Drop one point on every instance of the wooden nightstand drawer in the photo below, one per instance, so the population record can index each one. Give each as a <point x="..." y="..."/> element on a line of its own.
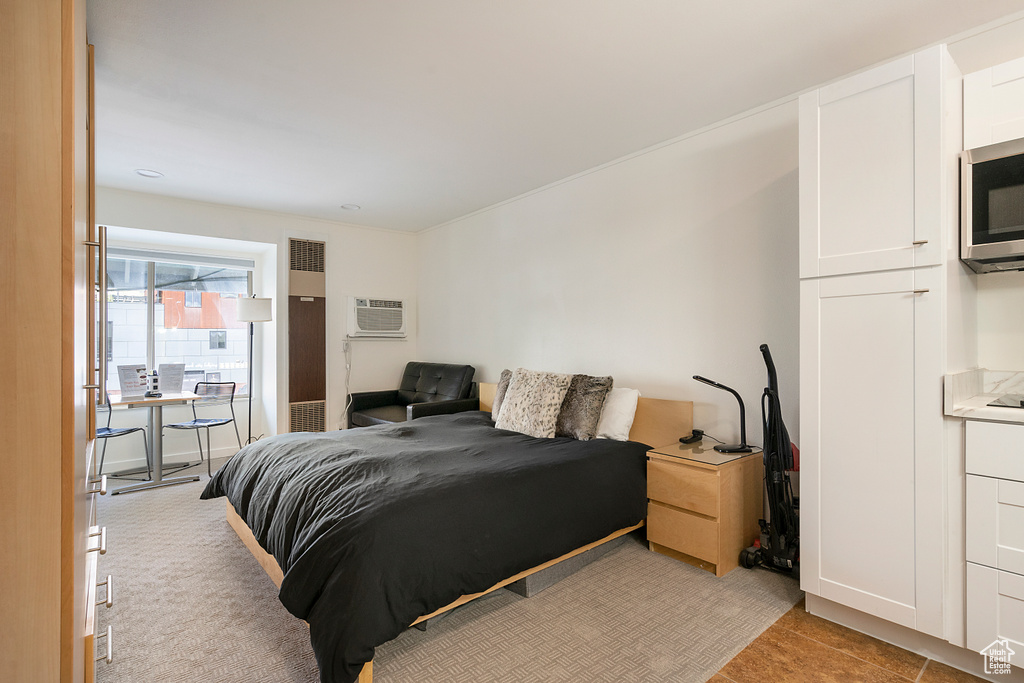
<point x="682" y="531"/>
<point x="703" y="505"/>
<point x="689" y="488"/>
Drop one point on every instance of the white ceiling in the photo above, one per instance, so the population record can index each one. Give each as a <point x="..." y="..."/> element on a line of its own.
<point x="422" y="111"/>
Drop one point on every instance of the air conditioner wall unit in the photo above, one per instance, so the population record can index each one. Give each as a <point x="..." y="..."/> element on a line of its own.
<point x="381" y="318"/>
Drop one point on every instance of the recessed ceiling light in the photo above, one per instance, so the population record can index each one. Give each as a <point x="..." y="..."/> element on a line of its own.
<point x="351" y="207"/>
<point x="147" y="173"/>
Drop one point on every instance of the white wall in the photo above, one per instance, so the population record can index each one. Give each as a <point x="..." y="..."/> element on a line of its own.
<point x="678" y="261"/>
<point x="1001" y="321"/>
<point x="359" y="261"/>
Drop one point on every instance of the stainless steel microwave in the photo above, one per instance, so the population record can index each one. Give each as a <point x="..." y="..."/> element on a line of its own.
<point x="992" y="207"/>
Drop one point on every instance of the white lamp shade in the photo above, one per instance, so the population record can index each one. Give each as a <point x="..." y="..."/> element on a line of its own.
<point x="254" y="310"/>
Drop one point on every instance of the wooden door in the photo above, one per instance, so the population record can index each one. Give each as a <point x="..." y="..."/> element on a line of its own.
<point x="872" y="523"/>
<point x="870" y="169"/>
<point x="45" y="409"/>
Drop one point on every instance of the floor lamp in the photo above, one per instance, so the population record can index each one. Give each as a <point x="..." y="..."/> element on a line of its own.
<point x="253" y="310"/>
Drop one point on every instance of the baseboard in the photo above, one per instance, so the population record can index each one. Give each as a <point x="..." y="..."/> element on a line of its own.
<point x="909" y="639"/>
<point x="126" y="464"/>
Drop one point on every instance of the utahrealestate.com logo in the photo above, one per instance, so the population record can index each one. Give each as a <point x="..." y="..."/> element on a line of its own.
<point x="997" y="657"/>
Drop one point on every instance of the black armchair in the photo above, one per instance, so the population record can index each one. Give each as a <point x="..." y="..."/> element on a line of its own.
<point x="426" y="389"/>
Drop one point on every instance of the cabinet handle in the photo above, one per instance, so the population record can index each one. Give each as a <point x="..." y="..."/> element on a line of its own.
<point x="920" y="291"/>
<point x="102" y="547"/>
<point x="918" y="243"/>
<point x="109" y="583"/>
<point x="109" y="635"/>
<point x="102" y="490"/>
<point x="90" y="386"/>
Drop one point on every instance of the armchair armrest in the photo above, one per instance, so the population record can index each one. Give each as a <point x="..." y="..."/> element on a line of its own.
<point x="363" y="400"/>
<point x="414" y="410"/>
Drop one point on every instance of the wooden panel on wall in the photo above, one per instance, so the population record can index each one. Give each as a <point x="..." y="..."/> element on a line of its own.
<point x="307" y="348"/>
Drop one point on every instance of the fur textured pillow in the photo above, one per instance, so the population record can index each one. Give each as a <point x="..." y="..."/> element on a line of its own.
<point x="499" y="393"/>
<point x="581" y="409"/>
<point x="532" y="402"/>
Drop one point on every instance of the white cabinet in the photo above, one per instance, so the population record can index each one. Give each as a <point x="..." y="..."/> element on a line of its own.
<point x="872" y="514"/>
<point x="995" y="523"/>
<point x="878" y="217"/>
<point x="995" y="607"/>
<point x="870" y="169"/>
<point x="994" y="105"/>
<point x="995" y="534"/>
<point x="995" y="449"/>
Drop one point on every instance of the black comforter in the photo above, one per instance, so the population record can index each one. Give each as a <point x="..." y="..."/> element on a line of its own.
<point x="376" y="527"/>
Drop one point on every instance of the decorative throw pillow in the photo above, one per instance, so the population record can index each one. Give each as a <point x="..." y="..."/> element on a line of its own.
<point x="532" y="402"/>
<point x="617" y="415"/>
<point x="499" y="393"/>
<point x="581" y="409"/>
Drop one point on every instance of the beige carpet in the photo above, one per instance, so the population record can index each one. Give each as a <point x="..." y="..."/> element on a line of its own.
<point x="191" y="604"/>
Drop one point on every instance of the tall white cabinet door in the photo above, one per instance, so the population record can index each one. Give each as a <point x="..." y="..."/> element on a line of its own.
<point x="870" y="169"/>
<point x="872" y="528"/>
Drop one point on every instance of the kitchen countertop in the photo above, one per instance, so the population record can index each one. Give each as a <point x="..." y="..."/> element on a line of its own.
<point x="967" y="394"/>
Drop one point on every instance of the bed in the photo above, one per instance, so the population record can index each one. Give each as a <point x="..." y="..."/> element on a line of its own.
<point x="369" y="531"/>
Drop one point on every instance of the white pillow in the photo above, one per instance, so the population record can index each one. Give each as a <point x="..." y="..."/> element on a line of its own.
<point x="617" y="414"/>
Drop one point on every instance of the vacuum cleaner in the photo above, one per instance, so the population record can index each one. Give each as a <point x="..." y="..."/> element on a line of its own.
<point x="778" y="548"/>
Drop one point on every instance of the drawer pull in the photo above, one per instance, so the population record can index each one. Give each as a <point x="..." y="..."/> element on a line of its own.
<point x="918" y="243"/>
<point x="102" y="490"/>
<point x="920" y="291"/>
<point x="109" y="635"/>
<point x="109" y="583"/>
<point x="102" y="547"/>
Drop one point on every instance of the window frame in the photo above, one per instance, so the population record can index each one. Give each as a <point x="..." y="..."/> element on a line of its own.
<point x="153" y="256"/>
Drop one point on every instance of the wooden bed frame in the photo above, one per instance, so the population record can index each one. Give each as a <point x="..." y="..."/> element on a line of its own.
<point x="657" y="422"/>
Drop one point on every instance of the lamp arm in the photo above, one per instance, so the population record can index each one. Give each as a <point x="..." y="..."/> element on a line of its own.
<point x="743" y="415"/>
<point x="743" y="409"/>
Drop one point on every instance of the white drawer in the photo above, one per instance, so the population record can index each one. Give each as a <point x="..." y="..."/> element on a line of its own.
<point x="995" y="523"/>
<point x="995" y="449"/>
<point x="995" y="607"/>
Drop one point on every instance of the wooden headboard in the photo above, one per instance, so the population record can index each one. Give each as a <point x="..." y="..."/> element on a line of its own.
<point x="658" y="422"/>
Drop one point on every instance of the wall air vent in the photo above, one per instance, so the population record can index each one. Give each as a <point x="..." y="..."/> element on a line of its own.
<point x="306" y="256"/>
<point x="307" y="335"/>
<point x="307" y="416"/>
<point x="376" y="317"/>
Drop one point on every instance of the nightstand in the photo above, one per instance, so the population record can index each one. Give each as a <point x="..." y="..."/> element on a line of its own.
<point x="703" y="506"/>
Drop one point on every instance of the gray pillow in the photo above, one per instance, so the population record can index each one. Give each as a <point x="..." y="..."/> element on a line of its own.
<point x="581" y="409"/>
<point x="499" y="393"/>
<point x="532" y="402"/>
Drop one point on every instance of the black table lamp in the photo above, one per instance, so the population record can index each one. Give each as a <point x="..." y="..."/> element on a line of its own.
<point x="742" y="446"/>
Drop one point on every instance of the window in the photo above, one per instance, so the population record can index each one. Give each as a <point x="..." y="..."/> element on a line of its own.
<point x="218" y="340"/>
<point x="177" y="308"/>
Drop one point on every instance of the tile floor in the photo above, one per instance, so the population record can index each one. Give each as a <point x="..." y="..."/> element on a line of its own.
<point x="802" y="647"/>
